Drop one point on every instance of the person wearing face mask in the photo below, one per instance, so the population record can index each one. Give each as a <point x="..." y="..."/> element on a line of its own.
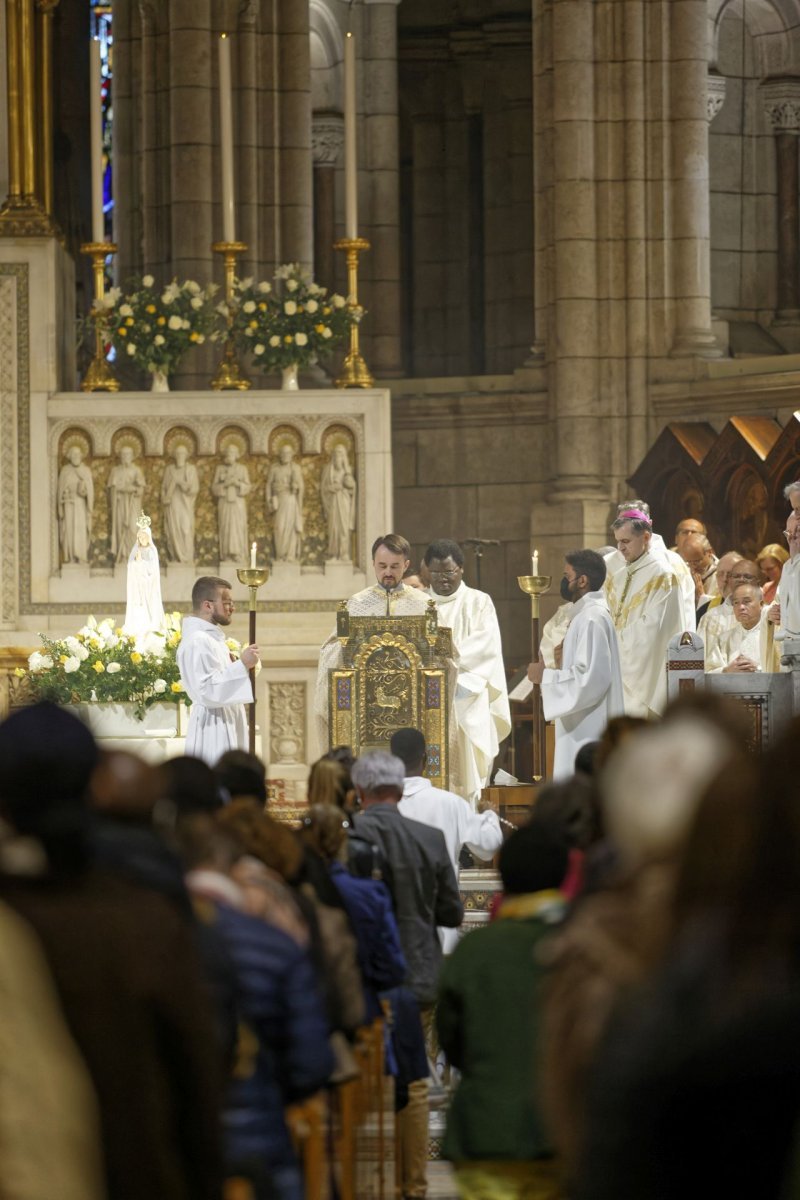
<point x="586" y="692"/>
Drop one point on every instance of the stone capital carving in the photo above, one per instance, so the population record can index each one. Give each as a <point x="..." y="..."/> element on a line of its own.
<point x="715" y="95"/>
<point x="781" y="99"/>
<point x="327" y="138"/>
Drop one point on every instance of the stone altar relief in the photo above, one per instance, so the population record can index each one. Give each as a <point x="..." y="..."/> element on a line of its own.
<point x="180" y="485"/>
<point x="125" y="486"/>
<point x="285" y="494"/>
<point x="75" y="500"/>
<point x="230" y="487"/>
<point x="338" y="490"/>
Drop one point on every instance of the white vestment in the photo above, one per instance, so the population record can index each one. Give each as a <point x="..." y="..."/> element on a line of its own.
<point x="586" y="692"/>
<point x="754" y="643"/>
<point x="674" y="563"/>
<point x="716" y="621"/>
<point x="482" y="712"/>
<point x="554" y="632"/>
<point x="375" y="601"/>
<point x="144" y="611"/>
<point x="647" y="610"/>
<point x="789" y="599"/>
<point x="218" y="689"/>
<point x="479" y="832"/>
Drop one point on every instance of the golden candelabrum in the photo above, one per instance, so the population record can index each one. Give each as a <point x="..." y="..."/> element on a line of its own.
<point x="229" y="376"/>
<point x="253" y="578"/>
<point x="99" y="376"/>
<point x="535" y="586"/>
<point x="355" y="372"/>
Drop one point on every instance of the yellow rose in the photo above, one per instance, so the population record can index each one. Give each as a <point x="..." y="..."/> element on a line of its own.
<point x="98" y="666"/>
<point x="318" y="328"/>
<point x="63" y="658"/>
<point x="326" y="310"/>
<point x="118" y="631"/>
<point x="173" y="639"/>
<point x="151" y="308"/>
<point x="161" y="320"/>
<point x="252" y="324"/>
<point x="122" y="331"/>
<point x="288" y="339"/>
<point x="176" y="687"/>
<point x="136" y="657"/>
<point x="262" y="307"/>
<point x="129" y="322"/>
<point x="20" y="674"/>
<point x="95" y="643"/>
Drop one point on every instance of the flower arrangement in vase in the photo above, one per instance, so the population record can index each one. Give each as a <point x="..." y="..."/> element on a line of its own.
<point x="288" y="323"/>
<point x="154" y="327"/>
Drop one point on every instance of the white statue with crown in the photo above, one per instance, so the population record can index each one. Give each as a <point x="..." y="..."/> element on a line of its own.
<point x="144" y="612"/>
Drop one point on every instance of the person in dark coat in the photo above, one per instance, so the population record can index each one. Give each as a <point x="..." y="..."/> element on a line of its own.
<point x="125" y="970"/>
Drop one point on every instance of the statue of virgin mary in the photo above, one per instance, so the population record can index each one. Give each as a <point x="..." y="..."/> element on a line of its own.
<point x="144" y="612"/>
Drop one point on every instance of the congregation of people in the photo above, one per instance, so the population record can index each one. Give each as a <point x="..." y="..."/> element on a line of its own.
<point x="178" y="968"/>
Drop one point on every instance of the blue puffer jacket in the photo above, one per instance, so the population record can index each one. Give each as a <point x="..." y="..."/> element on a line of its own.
<point x="380" y="955"/>
<point x="283" y="1047"/>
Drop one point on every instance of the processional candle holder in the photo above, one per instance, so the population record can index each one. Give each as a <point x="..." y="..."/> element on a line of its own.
<point x="229" y="376"/>
<point x="99" y="377"/>
<point x="253" y="578"/>
<point x="536" y="586"/>
<point x="355" y="372"/>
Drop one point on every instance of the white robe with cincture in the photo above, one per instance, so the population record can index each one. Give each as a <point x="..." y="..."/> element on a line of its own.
<point x="647" y="610"/>
<point x="481" y="709"/>
<point x="586" y="692"/>
<point x="218" y="689"/>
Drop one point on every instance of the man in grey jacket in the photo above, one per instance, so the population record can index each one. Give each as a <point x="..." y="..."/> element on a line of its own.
<point x="420" y="877"/>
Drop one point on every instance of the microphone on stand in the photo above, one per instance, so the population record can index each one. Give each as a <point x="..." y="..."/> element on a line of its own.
<point x="478" y="545"/>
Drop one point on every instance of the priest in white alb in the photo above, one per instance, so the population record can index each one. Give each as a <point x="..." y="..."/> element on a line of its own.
<point x="218" y="685"/>
<point x="481" y="709"/>
<point x="749" y="644"/>
<point x="585" y="692"/>
<point x="387" y="597"/>
<point x="644" y="596"/>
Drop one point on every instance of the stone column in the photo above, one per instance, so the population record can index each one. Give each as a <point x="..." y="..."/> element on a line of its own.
<point x="294" y="100"/>
<point x="382" y="158"/>
<point x="327" y="138"/>
<point x="691" y="234"/>
<point x="782" y="104"/>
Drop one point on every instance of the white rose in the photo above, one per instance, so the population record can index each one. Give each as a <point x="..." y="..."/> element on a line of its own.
<point x="327" y="332"/>
<point x="292" y="285"/>
<point x="290" y="308"/>
<point x="274" y="340"/>
<point x="39" y="662"/>
<point x="160" y="686"/>
<point x="113" y="667"/>
<point x="314" y="289"/>
<point x="197" y="302"/>
<point x="131" y="348"/>
<point x="147" y="281"/>
<point x="301" y="339"/>
<point x="201" y="337"/>
<point x="72" y="644"/>
<point x="174" y="322"/>
<point x="72" y="664"/>
<point x="125" y="310"/>
<point x="259" y="349"/>
<point x="186" y="324"/>
<point x="265" y="288"/>
<point x="338" y="301"/>
<point x="193" y="287"/>
<point x="311" y="306"/>
<point x="246" y="284"/>
<point x="159" y="339"/>
<point x="249" y="306"/>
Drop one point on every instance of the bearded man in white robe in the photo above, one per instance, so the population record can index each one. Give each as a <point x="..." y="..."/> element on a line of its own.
<point x="218" y="687"/>
<point x="388" y="597"/>
<point x="644" y="596"/>
<point x="481" y="709"/>
<point x="586" y="691"/>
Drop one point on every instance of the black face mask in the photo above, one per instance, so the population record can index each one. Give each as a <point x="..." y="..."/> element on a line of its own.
<point x="566" y="593"/>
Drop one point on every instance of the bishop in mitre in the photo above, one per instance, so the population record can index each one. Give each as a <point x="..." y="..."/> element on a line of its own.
<point x="388" y="597"/>
<point x="644" y="596"/>
<point x="480" y="705"/>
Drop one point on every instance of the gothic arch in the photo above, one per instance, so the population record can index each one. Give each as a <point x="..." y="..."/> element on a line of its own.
<point x="768" y="23"/>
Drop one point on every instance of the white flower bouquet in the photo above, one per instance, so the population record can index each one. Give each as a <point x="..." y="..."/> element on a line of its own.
<point x="153" y="327"/>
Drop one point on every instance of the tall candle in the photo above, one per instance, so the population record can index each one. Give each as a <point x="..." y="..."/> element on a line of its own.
<point x="253" y="556"/>
<point x="350" y="157"/>
<point x="96" y="139"/>
<point x="535" y="562"/>
<point x="226" y="139"/>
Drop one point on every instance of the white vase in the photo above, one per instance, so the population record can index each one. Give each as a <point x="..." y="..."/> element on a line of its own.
<point x="107" y="720"/>
<point x="289" y="378"/>
<point x="160" y="381"/>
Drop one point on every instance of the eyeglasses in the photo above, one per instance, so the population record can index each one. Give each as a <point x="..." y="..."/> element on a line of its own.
<point x="790" y="533"/>
<point x="444" y="574"/>
<point x="744" y="578"/>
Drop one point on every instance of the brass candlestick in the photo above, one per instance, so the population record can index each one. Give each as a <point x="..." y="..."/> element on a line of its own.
<point x="355" y="372"/>
<point x="253" y="578"/>
<point x="229" y="376"/>
<point x="535" y="586"/>
<point x="99" y="377"/>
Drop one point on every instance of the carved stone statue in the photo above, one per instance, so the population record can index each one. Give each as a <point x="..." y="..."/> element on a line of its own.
<point x="230" y="486"/>
<point x="285" y="490"/>
<point x="338" y="489"/>
<point x="179" y="490"/>
<point x="75" y="507"/>
<point x="125" y="489"/>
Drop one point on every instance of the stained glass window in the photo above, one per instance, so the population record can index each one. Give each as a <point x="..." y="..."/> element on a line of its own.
<point x="100" y="17"/>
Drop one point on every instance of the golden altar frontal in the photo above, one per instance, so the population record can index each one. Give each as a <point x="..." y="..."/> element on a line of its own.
<point x="396" y="672"/>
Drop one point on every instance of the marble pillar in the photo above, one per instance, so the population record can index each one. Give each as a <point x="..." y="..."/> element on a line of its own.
<point x="294" y="99"/>
<point x="691" y="233"/>
<point x="782" y="103"/>
<point x="380" y="141"/>
<point x="327" y="138"/>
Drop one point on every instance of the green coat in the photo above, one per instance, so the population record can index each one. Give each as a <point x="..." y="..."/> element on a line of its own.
<point x="488" y="1018"/>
